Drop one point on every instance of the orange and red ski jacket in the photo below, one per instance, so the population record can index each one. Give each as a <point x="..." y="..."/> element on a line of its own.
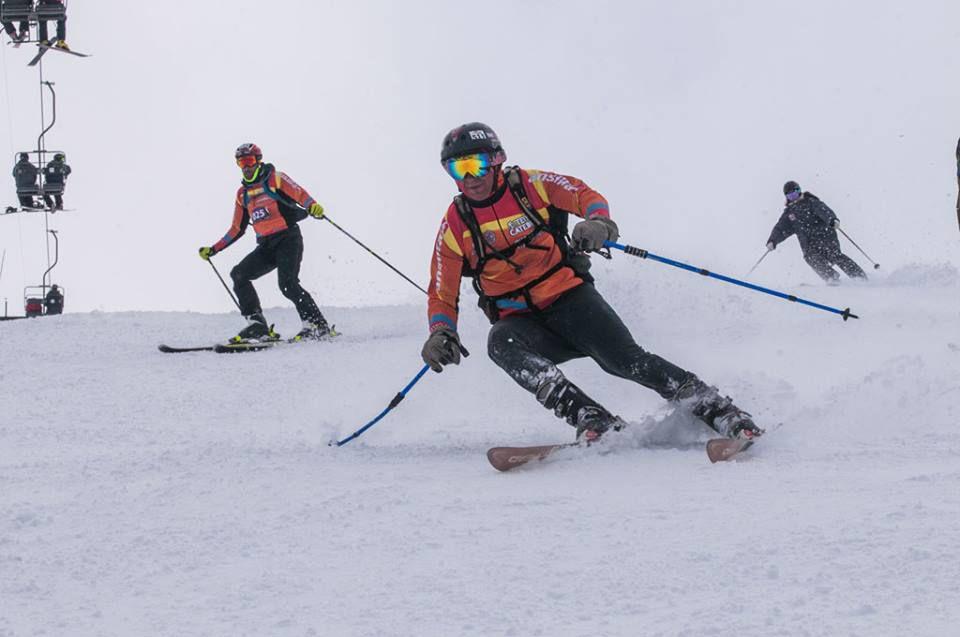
<point x="267" y="203"/>
<point x="503" y="223"/>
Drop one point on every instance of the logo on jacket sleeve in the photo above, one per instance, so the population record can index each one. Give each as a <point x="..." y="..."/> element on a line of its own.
<point x="553" y="178"/>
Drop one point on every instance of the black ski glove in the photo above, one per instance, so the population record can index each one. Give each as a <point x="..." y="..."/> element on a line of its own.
<point x="589" y="235"/>
<point x="442" y="348"/>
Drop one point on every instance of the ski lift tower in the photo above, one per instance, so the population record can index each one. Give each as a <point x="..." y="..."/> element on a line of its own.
<point x="36" y="16"/>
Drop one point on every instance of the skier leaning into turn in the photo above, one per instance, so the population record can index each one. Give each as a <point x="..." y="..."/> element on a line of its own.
<point x="815" y="225"/>
<point x="508" y="230"/>
<point x="274" y="204"/>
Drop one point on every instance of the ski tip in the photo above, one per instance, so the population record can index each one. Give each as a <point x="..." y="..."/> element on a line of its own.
<point x="493" y="457"/>
<point x="507" y="458"/>
<point x="724" y="449"/>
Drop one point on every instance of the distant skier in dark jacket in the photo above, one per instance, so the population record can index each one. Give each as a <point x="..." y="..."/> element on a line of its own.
<point x="53" y="301"/>
<point x="815" y="225"/>
<point x="55" y="176"/>
<point x="25" y="174"/>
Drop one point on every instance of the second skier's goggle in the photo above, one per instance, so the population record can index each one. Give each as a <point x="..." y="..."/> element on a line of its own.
<point x="793" y="195"/>
<point x="247" y="161"/>
<point x="477" y="165"/>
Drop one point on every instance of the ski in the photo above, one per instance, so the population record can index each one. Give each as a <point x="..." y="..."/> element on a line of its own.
<point x="50" y="47"/>
<point x="9" y="210"/>
<point x="239" y="348"/>
<point x="507" y="458"/>
<point x="36" y="58"/>
<point x="724" y="449"/>
<point x="166" y="349"/>
<point x="71" y="52"/>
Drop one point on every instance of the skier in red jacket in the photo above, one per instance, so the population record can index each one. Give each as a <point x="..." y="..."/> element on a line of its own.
<point x="274" y="204"/>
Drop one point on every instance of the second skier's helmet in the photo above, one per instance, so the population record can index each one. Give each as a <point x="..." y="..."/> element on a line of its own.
<point x="24" y="157"/>
<point x="790" y="186"/>
<point x="471" y="138"/>
<point x="248" y="150"/>
<point x="59" y="157"/>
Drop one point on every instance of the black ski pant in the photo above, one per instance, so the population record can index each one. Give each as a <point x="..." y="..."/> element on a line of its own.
<point x="283" y="252"/>
<point x="824" y="255"/>
<point x="578" y="324"/>
<point x="61" y="29"/>
<point x="12" y="32"/>
<point x="54" y="202"/>
<point x="27" y="201"/>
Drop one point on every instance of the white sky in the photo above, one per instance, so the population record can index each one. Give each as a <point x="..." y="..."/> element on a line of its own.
<point x="688" y="116"/>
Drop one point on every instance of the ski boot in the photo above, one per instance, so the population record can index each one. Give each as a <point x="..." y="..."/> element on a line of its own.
<point x="718" y="412"/>
<point x="569" y="402"/>
<point x="315" y="332"/>
<point x="256" y="331"/>
<point x="61" y="44"/>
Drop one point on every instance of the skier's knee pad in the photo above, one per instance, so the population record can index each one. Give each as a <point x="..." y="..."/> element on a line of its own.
<point x="500" y="340"/>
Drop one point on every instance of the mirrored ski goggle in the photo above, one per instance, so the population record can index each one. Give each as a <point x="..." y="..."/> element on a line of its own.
<point x="477" y="165"/>
<point x="247" y="161"/>
<point x="793" y="195"/>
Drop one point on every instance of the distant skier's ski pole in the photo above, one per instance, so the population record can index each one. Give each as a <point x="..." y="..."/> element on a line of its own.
<point x="224" y="283"/>
<point x="758" y="262"/>
<point x="382" y="260"/>
<point x="393" y="403"/>
<point x="876" y="266"/>
<point x="643" y="254"/>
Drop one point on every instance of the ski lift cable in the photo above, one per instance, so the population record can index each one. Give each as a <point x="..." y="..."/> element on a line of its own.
<point x="6" y="87"/>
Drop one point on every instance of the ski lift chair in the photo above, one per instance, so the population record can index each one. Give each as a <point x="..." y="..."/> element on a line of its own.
<point x="33" y="191"/>
<point x="33" y="300"/>
<point x="51" y="11"/>
<point x="48" y="13"/>
<point x="20" y="12"/>
<point x="34" y="297"/>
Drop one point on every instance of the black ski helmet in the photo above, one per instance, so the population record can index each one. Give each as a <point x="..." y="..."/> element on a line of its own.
<point x="790" y="186"/>
<point x="24" y="157"/>
<point x="474" y="137"/>
<point x="59" y="157"/>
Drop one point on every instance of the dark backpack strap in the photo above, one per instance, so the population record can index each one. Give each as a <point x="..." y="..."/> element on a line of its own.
<point x="466" y="214"/>
<point x="512" y="175"/>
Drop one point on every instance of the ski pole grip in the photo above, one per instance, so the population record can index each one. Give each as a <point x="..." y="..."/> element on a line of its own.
<point x="632" y="251"/>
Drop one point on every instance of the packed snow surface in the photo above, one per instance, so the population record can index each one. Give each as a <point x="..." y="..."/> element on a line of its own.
<point x="151" y="494"/>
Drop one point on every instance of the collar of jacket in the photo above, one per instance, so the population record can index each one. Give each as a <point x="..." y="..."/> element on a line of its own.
<point x="266" y="170"/>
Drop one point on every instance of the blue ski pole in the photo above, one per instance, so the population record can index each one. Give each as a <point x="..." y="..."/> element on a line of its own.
<point x="393" y="403"/>
<point x="643" y="254"/>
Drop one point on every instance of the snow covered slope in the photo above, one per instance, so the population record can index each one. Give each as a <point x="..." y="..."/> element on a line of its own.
<point x="195" y="494"/>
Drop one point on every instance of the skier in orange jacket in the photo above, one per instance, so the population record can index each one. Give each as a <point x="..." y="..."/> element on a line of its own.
<point x="508" y="230"/>
<point x="274" y="204"/>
